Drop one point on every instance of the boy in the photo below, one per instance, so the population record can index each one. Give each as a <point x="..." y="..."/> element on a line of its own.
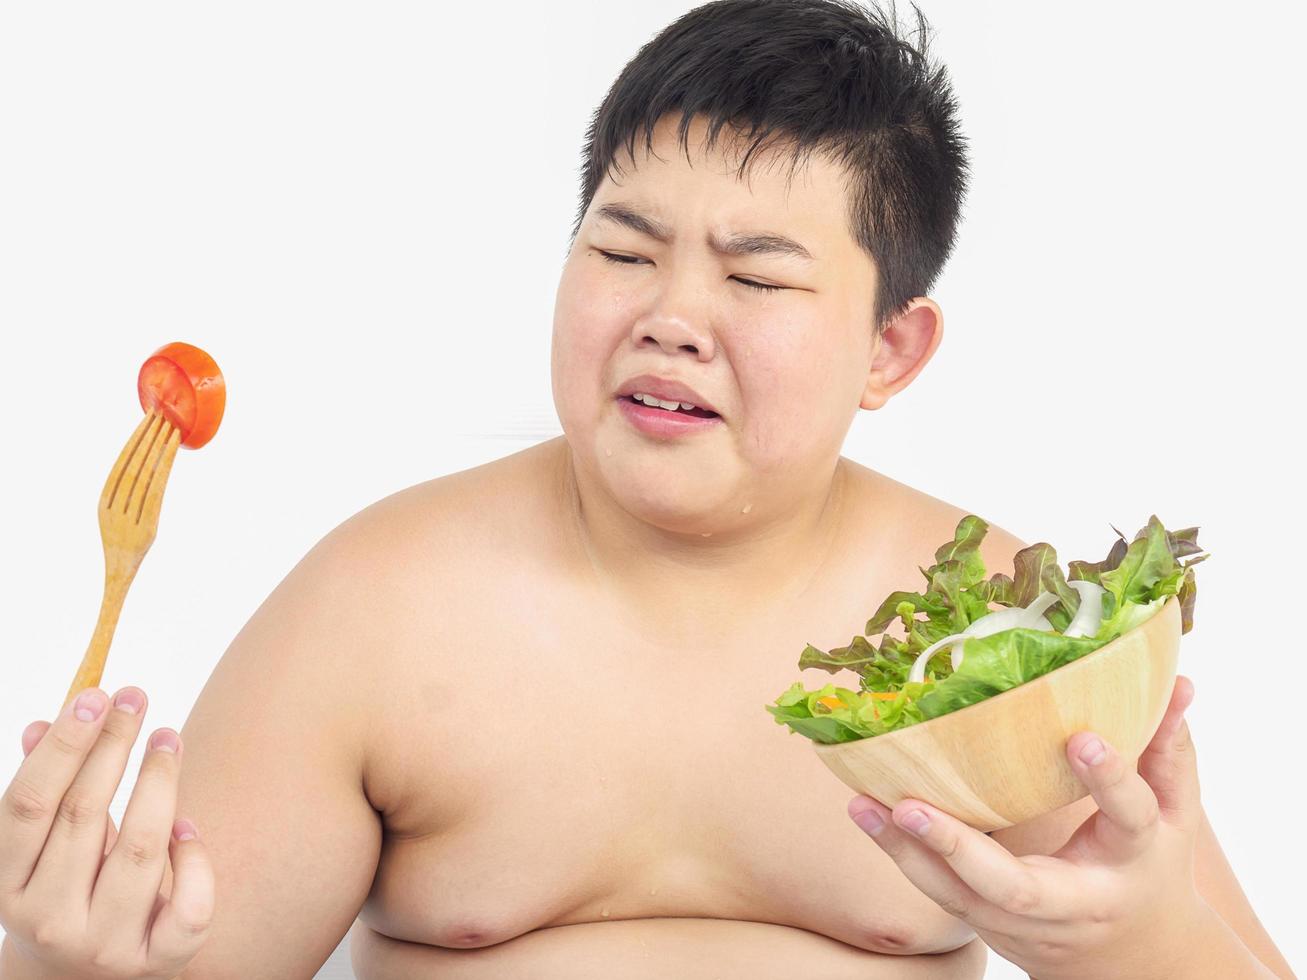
<point x="460" y="723"/>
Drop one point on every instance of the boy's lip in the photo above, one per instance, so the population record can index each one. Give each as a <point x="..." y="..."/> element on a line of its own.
<point x="665" y="388"/>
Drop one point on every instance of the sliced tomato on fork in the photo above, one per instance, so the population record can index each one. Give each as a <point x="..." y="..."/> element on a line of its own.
<point x="184" y="383"/>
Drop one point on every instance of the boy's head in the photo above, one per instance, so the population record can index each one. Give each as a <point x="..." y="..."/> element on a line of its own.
<point x="808" y="119"/>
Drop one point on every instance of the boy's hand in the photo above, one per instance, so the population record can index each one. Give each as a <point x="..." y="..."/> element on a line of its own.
<point x="77" y="898"/>
<point x="1117" y="900"/>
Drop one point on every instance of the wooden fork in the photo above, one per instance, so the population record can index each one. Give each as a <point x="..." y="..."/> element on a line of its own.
<point x="129" y="517"/>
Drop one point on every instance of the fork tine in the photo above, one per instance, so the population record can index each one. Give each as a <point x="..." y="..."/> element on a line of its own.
<point x="155" y="442"/>
<point x="120" y="465"/>
<point x="132" y="473"/>
<point x="152" y="498"/>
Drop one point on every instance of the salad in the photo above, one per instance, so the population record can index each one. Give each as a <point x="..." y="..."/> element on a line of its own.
<point x="956" y="650"/>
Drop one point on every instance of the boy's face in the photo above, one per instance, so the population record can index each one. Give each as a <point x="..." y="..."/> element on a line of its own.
<point x="786" y="370"/>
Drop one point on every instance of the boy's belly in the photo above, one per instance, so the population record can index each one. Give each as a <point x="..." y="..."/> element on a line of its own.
<point x="569" y="785"/>
<point x="656" y="949"/>
<point x="524" y="809"/>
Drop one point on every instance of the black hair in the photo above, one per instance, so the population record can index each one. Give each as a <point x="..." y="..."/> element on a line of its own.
<point x="831" y="76"/>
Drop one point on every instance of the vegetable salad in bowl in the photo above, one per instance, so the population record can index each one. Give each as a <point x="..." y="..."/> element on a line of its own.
<point x="955" y="650"/>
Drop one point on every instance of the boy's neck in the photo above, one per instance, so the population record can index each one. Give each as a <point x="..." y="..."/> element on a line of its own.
<point x="741" y="568"/>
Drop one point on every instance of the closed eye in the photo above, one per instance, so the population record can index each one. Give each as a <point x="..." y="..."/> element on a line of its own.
<point x="630" y="260"/>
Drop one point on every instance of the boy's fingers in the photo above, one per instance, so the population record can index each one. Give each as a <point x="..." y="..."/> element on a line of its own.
<point x="31" y="801"/>
<point x="33" y="734"/>
<point x="992" y="871"/>
<point x="1127" y="808"/>
<point x="110" y="835"/>
<point x="1169" y="763"/>
<point x="182" y="924"/>
<point x="77" y="841"/>
<point x="133" y="870"/>
<point x="926" y="869"/>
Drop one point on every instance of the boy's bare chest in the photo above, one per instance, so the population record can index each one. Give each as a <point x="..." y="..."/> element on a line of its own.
<point x="548" y="760"/>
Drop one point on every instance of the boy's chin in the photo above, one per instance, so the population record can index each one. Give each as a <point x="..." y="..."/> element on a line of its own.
<point x="687" y="513"/>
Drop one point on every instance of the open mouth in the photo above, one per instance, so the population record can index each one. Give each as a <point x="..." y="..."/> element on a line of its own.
<point x="701" y="413"/>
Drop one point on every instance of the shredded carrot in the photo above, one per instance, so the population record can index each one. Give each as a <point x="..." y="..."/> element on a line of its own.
<point x="833" y="702"/>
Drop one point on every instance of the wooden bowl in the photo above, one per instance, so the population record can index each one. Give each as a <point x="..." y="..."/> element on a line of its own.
<point x="1002" y="761"/>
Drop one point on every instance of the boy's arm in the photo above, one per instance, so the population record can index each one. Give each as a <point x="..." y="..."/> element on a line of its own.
<point x="272" y="775"/>
<point x="1221" y="890"/>
<point x="1215" y="879"/>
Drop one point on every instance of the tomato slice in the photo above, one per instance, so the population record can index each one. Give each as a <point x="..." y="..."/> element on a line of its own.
<point x="184" y="383"/>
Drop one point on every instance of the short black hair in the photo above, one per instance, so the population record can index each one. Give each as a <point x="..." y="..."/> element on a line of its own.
<point x="832" y="76"/>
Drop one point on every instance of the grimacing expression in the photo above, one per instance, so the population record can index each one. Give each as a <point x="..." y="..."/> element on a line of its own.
<point x="784" y="367"/>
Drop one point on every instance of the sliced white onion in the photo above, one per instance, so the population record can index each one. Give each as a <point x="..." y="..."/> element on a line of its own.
<point x="1035" y="611"/>
<point x="1089" y="617"/>
<point x="918" y="671"/>
<point x="1030" y="616"/>
<point x="996" y="622"/>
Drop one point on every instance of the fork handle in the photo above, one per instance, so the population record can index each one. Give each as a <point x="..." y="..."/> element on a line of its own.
<point x="119" y="570"/>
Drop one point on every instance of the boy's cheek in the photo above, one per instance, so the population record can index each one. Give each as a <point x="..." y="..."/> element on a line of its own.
<point x="580" y="365"/>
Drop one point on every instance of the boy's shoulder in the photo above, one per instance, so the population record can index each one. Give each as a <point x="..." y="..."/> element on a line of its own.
<point x="921" y="522"/>
<point x="504" y="511"/>
<point x="456" y="521"/>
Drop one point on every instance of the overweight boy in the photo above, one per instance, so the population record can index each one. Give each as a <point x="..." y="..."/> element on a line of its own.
<point x="474" y="727"/>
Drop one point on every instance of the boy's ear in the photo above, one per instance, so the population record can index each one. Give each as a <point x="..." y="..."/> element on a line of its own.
<point x="907" y="343"/>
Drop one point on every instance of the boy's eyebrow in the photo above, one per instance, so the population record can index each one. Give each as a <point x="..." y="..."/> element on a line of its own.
<point x="749" y="243"/>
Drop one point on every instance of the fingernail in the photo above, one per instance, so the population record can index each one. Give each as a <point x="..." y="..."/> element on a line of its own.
<point x="868" y="819"/>
<point x="129" y="701"/>
<point x="1093" y="752"/>
<point x="90" y="705"/>
<point x="916" y="821"/>
<point x="164" y="741"/>
<point x="184" y="830"/>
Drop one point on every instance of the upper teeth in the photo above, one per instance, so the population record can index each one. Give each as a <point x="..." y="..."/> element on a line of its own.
<point x="651" y="400"/>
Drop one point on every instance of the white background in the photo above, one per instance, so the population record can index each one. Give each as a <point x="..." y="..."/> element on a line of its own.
<point x="361" y="211"/>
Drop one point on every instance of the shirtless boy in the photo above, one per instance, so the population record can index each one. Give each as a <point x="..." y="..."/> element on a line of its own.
<point x="460" y="726"/>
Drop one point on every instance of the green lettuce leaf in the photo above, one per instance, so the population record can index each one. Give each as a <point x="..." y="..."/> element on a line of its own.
<point x="1137" y="577"/>
<point x="996" y="663"/>
<point x="855" y="716"/>
<point x="1037" y="571"/>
